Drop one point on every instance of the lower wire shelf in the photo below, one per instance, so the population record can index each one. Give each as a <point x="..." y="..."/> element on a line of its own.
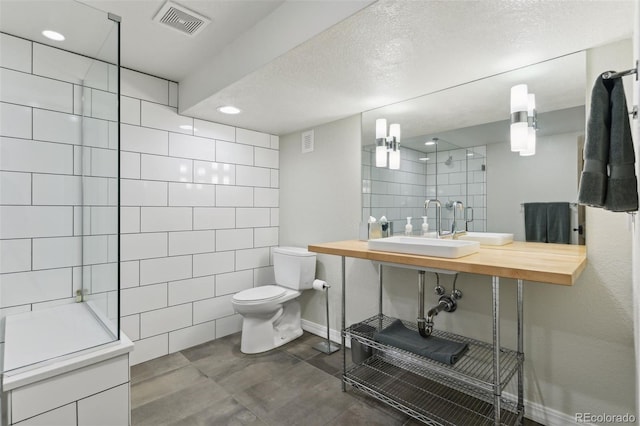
<point x="431" y="402"/>
<point x="473" y="370"/>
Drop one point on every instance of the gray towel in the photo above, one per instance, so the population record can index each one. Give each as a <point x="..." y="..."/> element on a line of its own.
<point x="432" y="347"/>
<point x="593" y="181"/>
<point x="535" y="222"/>
<point x="559" y="223"/>
<point x="622" y="193"/>
<point x="547" y="222"/>
<point x="608" y="179"/>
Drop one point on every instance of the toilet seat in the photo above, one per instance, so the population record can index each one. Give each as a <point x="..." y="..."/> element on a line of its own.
<point x="259" y="294"/>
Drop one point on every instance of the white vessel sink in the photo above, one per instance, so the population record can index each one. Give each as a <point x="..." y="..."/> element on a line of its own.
<point x="425" y="246"/>
<point x="488" y="238"/>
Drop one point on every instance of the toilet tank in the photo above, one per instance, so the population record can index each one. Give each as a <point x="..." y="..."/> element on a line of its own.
<point x="294" y="267"/>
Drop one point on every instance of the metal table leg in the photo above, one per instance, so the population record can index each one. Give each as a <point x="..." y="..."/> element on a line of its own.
<point x="380" y="296"/>
<point x="344" y="325"/>
<point x="495" y="284"/>
<point x="520" y="297"/>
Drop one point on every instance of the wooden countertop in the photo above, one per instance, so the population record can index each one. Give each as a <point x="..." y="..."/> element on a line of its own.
<point x="547" y="263"/>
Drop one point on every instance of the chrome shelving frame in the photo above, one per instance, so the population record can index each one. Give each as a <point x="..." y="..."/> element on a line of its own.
<point x="468" y="392"/>
<point x="474" y="368"/>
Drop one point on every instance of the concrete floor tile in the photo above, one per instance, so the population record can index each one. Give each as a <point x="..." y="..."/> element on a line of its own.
<point x="227" y="412"/>
<point x="165" y="384"/>
<point x="179" y="405"/>
<point x="157" y="366"/>
<point x="216" y="384"/>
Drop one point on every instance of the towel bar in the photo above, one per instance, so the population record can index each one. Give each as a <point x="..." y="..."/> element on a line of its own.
<point x="612" y="74"/>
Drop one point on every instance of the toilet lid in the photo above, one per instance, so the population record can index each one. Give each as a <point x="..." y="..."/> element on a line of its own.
<point x="263" y="293"/>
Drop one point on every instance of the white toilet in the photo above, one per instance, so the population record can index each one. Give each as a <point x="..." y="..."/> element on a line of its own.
<point x="271" y="313"/>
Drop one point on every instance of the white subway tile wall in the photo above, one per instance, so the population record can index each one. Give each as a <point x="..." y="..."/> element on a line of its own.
<point x="196" y="231"/>
<point x="199" y="200"/>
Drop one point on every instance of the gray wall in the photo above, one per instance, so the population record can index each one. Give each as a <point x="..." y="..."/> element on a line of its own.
<point x="320" y="201"/>
<point x="578" y="340"/>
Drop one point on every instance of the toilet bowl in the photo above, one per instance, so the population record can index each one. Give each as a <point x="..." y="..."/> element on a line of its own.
<point x="271" y="313"/>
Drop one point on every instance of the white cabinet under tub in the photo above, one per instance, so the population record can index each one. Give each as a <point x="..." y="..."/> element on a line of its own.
<point x="88" y="387"/>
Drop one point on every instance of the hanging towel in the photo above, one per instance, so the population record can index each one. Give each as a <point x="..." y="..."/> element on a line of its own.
<point x="608" y="179"/>
<point x="547" y="222"/>
<point x="593" y="180"/>
<point x="535" y="222"/>
<point x="622" y="192"/>
<point x="559" y="223"/>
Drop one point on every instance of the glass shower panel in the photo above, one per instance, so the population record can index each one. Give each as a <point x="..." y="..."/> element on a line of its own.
<point x="59" y="283"/>
<point x="100" y="171"/>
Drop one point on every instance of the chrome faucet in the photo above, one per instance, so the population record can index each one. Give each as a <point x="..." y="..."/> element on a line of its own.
<point x="438" y="214"/>
<point x="454" y="231"/>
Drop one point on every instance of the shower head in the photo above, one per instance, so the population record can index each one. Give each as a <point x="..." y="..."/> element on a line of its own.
<point x="449" y="161"/>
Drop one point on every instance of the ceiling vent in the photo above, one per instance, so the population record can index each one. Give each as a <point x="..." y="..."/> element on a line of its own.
<point x="181" y="19"/>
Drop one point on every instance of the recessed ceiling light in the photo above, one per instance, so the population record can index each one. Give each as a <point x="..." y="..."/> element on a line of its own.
<point x="228" y="109"/>
<point x="469" y="154"/>
<point x="423" y="158"/>
<point x="53" y="35"/>
<point x="430" y="143"/>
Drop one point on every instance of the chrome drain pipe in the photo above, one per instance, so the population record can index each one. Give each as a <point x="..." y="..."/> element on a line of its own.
<point x="422" y="322"/>
<point x="445" y="303"/>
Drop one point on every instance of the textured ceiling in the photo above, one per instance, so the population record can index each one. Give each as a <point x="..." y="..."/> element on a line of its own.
<point x="395" y="50"/>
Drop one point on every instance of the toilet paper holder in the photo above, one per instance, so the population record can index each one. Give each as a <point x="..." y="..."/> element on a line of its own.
<point x="327" y="346"/>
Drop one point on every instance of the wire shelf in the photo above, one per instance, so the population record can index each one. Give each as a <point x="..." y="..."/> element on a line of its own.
<point x="429" y="401"/>
<point x="473" y="369"/>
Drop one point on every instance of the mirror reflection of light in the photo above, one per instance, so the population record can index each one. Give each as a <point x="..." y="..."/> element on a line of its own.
<point x="201" y="171"/>
<point x="183" y="168"/>
<point x="225" y="180"/>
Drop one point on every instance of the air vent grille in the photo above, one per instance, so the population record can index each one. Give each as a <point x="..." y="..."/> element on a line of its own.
<point x="181" y="19"/>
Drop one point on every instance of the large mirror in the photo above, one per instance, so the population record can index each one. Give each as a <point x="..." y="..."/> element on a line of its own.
<point x="471" y="161"/>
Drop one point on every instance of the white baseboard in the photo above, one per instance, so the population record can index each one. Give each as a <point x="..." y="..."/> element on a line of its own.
<point x="548" y="416"/>
<point x="321" y="330"/>
<point x="534" y="411"/>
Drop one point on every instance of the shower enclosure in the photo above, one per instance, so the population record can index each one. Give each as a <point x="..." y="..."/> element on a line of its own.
<point x="59" y="182"/>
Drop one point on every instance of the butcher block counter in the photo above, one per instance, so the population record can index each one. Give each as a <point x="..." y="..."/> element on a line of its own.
<point x="559" y="264"/>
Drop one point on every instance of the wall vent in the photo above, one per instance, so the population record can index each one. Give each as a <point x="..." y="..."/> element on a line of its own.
<point x="181" y="19"/>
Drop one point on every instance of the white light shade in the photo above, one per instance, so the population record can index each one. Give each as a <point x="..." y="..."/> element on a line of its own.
<point x="531" y="104"/>
<point x="530" y="149"/>
<point x="519" y="98"/>
<point x="394" y="159"/>
<point x="519" y="135"/>
<point x="381" y="156"/>
<point x="381" y="128"/>
<point x="394" y="131"/>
